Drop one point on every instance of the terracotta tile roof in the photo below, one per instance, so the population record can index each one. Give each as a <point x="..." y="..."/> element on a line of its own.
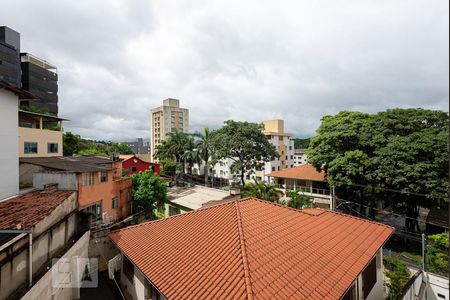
<point x="25" y="211"/>
<point x="252" y="249"/>
<point x="306" y="172"/>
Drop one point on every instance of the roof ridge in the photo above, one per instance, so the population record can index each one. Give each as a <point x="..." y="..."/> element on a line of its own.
<point x="248" y="283"/>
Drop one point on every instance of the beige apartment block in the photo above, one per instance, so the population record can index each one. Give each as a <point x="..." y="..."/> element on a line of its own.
<point x="283" y="142"/>
<point x="166" y="119"/>
<point x="40" y="135"/>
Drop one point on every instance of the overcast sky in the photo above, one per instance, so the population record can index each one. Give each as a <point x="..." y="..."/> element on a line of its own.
<point x="242" y="60"/>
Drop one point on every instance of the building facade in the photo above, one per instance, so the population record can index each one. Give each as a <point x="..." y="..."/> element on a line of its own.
<point x="9" y="56"/>
<point x="166" y="119"/>
<point x="300" y="157"/>
<point x="41" y="79"/>
<point x="284" y="144"/>
<point x="40" y="135"/>
<point x="133" y="164"/>
<point x="139" y="146"/>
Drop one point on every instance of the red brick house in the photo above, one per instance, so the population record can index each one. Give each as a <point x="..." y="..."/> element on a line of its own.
<point x="134" y="164"/>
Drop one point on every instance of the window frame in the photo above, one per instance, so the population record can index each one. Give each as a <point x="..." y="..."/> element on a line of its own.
<point x="56" y="145"/>
<point x="26" y="149"/>
<point x="102" y="177"/>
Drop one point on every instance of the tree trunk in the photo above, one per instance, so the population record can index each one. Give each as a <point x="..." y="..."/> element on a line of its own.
<point x="206" y="174"/>
<point x="242" y="176"/>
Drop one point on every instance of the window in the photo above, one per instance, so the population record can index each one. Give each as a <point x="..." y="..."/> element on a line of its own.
<point x="128" y="269"/>
<point x="103" y="176"/>
<point x="273" y="169"/>
<point x="115" y="202"/>
<point x="94" y="210"/>
<point x="369" y="277"/>
<point x="30" y="148"/>
<point x="290" y="147"/>
<point x="174" y="211"/>
<point x="133" y="169"/>
<point x="88" y="178"/>
<point x="52" y="147"/>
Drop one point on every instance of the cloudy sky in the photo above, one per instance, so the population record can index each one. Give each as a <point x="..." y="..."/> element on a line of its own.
<point x="233" y="59"/>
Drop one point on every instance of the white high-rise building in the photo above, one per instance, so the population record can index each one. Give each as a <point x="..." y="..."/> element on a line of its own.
<point x="300" y="157"/>
<point x="165" y="119"/>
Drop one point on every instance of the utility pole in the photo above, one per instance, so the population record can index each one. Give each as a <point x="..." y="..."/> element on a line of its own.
<point x="423" y="252"/>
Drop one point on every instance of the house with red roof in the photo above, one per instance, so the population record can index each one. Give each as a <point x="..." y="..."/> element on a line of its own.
<point x="306" y="178"/>
<point x="37" y="228"/>
<point x="253" y="249"/>
<point x="133" y="164"/>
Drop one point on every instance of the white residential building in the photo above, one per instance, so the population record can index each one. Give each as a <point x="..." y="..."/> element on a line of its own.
<point x="300" y="157"/>
<point x="165" y="119"/>
<point x="9" y="137"/>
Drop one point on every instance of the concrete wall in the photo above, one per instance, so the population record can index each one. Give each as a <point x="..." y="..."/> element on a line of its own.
<point x="49" y="236"/>
<point x="9" y="155"/>
<point x="42" y="137"/>
<point x="26" y="172"/>
<point x="44" y="289"/>
<point x="65" y="181"/>
<point x="438" y="287"/>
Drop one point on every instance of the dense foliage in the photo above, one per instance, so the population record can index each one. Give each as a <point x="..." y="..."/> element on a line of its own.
<point x="206" y="150"/>
<point x="261" y="190"/>
<point x="301" y="143"/>
<point x="437" y="254"/>
<point x="149" y="190"/>
<point x="399" y="149"/>
<point x="398" y="275"/>
<point x="75" y="145"/>
<point x="245" y="144"/>
<point x="298" y="199"/>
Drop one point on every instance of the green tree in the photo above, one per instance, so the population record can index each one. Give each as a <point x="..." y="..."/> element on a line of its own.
<point x="119" y="148"/>
<point x="206" y="150"/>
<point x="190" y="154"/>
<point x="261" y="190"/>
<point x="245" y="144"/>
<point x="398" y="275"/>
<point x="437" y="254"/>
<point x="301" y="143"/>
<point x="149" y="191"/>
<point x="298" y="199"/>
<point x="175" y="147"/>
<point x="70" y="143"/>
<point x="399" y="149"/>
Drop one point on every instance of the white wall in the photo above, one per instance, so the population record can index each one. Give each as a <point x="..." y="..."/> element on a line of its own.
<point x="9" y="139"/>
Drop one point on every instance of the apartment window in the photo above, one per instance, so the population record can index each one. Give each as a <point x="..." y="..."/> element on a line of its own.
<point x="103" y="176"/>
<point x="273" y="169"/>
<point x="128" y="269"/>
<point x="30" y="148"/>
<point x="88" y="178"/>
<point x="369" y="277"/>
<point x="52" y="148"/>
<point x="174" y="211"/>
<point x="292" y="156"/>
<point x="115" y="202"/>
<point x="290" y="147"/>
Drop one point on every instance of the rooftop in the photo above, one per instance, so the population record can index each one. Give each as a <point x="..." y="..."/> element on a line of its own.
<point x="25" y="211"/>
<point x="22" y="94"/>
<point x="195" y="197"/>
<point x="252" y="249"/>
<point x="303" y="172"/>
<point x="78" y="164"/>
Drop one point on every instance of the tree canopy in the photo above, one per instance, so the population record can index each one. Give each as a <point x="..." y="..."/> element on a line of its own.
<point x="245" y="144"/>
<point x="74" y="144"/>
<point x="398" y="149"/>
<point x="149" y="190"/>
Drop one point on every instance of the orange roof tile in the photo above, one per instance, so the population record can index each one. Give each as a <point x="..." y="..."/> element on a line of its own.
<point x="25" y="211"/>
<point x="252" y="249"/>
<point x="305" y="172"/>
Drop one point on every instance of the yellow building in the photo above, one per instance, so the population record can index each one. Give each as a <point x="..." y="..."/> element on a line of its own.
<point x="40" y="135"/>
<point x="165" y="119"/>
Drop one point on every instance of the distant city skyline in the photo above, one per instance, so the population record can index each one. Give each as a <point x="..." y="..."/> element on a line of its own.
<point x="295" y="61"/>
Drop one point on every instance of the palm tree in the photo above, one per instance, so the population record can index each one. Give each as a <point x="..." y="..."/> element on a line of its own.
<point x="174" y="148"/>
<point x="205" y="149"/>
<point x="190" y="155"/>
<point x="261" y="190"/>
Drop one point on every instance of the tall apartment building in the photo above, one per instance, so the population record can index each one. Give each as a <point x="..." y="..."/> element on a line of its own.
<point x="165" y="119"/>
<point x="300" y="157"/>
<point x="28" y="72"/>
<point x="41" y="79"/>
<point x="283" y="142"/>
<point x="9" y="56"/>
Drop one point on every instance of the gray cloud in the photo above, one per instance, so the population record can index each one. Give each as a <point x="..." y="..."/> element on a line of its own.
<point x="252" y="60"/>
